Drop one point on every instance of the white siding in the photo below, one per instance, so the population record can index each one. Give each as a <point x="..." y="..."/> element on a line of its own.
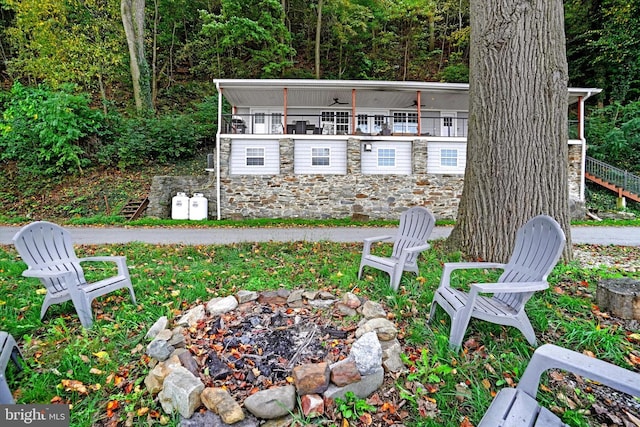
<point x="371" y="160"/>
<point x="441" y="155"/>
<point x="303" y="157"/>
<point x="238" y="161"/>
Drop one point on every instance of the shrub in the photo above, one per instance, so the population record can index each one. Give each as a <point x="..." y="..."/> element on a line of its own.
<point x="139" y="140"/>
<point x="45" y="131"/>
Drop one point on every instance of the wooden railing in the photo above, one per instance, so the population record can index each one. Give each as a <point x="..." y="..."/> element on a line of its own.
<point x="622" y="182"/>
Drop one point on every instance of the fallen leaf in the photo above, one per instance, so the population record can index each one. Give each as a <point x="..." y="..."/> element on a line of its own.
<point x="142" y="411"/>
<point x="486" y="384"/>
<point x="95" y="371"/>
<point x="366" y="419"/>
<point x="466" y="423"/>
<point x="74" y="385"/>
<point x="635" y="360"/>
<point x="101" y="354"/>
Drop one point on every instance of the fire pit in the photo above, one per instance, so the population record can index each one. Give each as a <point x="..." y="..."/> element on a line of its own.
<point x="262" y="351"/>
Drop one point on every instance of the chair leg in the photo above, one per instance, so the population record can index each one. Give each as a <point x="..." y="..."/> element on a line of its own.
<point x="6" y="398"/>
<point x="526" y="328"/>
<point x="360" y="271"/>
<point x="459" y="323"/>
<point x="395" y="278"/>
<point x="432" y="311"/>
<point x="133" y="295"/>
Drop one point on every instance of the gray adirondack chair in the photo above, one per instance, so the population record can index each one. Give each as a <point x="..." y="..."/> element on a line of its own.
<point x="516" y="407"/>
<point x="416" y="225"/>
<point x="48" y="251"/>
<point x="9" y="350"/>
<point x="538" y="247"/>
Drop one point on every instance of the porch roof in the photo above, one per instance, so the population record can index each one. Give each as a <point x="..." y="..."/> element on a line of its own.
<point x="341" y="93"/>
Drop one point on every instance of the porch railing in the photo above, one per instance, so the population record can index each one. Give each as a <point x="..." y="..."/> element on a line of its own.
<point x="273" y="123"/>
<point x="615" y="179"/>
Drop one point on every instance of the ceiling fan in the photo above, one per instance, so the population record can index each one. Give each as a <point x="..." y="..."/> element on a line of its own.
<point x="415" y="104"/>
<point x="337" y="101"/>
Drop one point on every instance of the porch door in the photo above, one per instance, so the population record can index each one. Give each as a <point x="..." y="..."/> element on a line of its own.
<point x="267" y="122"/>
<point x="448" y="123"/>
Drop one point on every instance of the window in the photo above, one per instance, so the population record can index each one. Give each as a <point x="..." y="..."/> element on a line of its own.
<point x="255" y="157"/>
<point x="320" y="156"/>
<point x="404" y="122"/>
<point x="335" y="122"/>
<point x="386" y="156"/>
<point x="448" y="157"/>
<point x="363" y="123"/>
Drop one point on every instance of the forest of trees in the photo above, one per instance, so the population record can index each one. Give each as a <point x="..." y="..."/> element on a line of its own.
<point x="77" y="52"/>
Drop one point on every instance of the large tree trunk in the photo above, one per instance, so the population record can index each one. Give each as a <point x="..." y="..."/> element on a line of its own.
<point x="318" y="31"/>
<point x="517" y="151"/>
<point x="133" y="21"/>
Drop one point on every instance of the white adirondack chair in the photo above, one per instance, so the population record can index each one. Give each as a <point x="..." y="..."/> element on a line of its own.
<point x="48" y="251"/>
<point x="539" y="244"/>
<point x="8" y="351"/>
<point x="416" y="225"/>
<point x="516" y="407"/>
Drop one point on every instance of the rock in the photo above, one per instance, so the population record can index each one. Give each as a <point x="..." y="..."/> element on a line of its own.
<point x="278" y="297"/>
<point x="310" y="295"/>
<point x="326" y="295"/>
<point x="159" y="349"/>
<point x="160" y="324"/>
<point x="272" y="403"/>
<point x="385" y="329"/>
<point x="155" y="379"/>
<point x="295" y="297"/>
<point x="345" y="372"/>
<point x="220" y="401"/>
<point x="362" y="389"/>
<point x="189" y="362"/>
<point x="367" y="353"/>
<point x="391" y="359"/>
<point x="209" y="419"/>
<point x="372" y="310"/>
<point x="181" y="392"/>
<point x="164" y="334"/>
<point x="286" y="421"/>
<point x="312" y="405"/>
<point x="346" y="310"/>
<point x="193" y="316"/>
<point x="177" y="339"/>
<point x="321" y="303"/>
<point x="311" y="378"/>
<point x="246" y="296"/>
<point x="351" y="300"/>
<point x="218" y="306"/>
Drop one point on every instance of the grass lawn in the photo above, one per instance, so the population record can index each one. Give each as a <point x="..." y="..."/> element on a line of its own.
<point x="100" y="372"/>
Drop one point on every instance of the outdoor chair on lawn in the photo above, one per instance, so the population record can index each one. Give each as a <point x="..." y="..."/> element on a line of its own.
<point x="416" y="225"/>
<point x="8" y="350"/>
<point x="515" y="407"/>
<point x="48" y="251"/>
<point x="538" y="246"/>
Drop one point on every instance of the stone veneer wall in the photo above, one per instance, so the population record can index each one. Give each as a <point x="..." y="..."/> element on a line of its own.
<point x="288" y="195"/>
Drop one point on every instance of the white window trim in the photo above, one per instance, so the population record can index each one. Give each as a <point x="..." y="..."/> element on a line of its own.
<point x="395" y="159"/>
<point x="247" y="156"/>
<point x="443" y="157"/>
<point x="321" y="156"/>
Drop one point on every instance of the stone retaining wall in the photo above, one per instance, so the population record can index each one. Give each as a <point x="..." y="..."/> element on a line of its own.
<point x="288" y="195"/>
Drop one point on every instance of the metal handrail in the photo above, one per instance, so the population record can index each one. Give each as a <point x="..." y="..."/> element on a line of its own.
<point x="613" y="175"/>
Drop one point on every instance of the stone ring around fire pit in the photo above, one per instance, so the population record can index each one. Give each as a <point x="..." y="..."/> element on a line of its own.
<point x="262" y="351"/>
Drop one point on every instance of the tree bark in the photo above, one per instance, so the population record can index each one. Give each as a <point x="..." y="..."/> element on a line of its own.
<point x="318" y="31"/>
<point x="517" y="149"/>
<point x="133" y="21"/>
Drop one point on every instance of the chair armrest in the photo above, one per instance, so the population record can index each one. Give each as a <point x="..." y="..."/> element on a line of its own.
<point x="46" y="274"/>
<point x="509" y="287"/>
<point x="369" y="240"/>
<point x="449" y="267"/>
<point x="120" y="261"/>
<point x="418" y="249"/>
<point x="549" y="356"/>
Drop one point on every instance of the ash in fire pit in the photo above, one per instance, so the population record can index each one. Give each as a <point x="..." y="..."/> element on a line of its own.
<point x="266" y="344"/>
<point x="262" y="353"/>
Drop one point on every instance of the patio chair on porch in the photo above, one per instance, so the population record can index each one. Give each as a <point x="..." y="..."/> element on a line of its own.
<point x="515" y="407"/>
<point x="416" y="225"/>
<point x="538" y="246"/>
<point x="48" y="251"/>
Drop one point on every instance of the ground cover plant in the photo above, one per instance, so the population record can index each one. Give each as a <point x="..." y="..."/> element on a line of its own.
<point x="100" y="371"/>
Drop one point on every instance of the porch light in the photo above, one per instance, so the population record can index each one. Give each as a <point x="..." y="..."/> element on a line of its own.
<point x="367" y="147"/>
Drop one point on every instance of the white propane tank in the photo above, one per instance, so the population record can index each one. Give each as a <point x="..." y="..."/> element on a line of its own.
<point x="198" y="207"/>
<point x="180" y="206"/>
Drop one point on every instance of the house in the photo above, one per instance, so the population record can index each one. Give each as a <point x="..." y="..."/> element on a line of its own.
<point x="342" y="148"/>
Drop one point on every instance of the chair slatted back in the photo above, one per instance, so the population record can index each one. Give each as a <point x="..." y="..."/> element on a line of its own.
<point x="539" y="244"/>
<point x="43" y="245"/>
<point x="415" y="227"/>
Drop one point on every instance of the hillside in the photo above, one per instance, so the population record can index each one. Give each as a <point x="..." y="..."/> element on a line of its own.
<point x="94" y="192"/>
